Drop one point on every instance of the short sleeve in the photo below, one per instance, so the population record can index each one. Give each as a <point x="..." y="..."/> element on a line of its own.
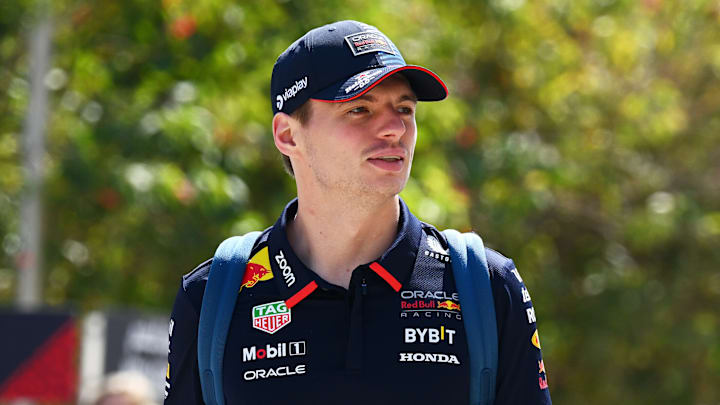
<point x="521" y="378"/>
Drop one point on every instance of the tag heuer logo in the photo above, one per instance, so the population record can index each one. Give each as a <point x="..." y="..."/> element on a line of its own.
<point x="271" y="317"/>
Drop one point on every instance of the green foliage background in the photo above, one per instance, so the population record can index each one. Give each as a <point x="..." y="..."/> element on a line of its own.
<point x="580" y="138"/>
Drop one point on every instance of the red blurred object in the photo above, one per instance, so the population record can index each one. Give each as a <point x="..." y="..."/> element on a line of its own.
<point x="108" y="198"/>
<point x="183" y="27"/>
<point x="466" y="137"/>
<point x="49" y="371"/>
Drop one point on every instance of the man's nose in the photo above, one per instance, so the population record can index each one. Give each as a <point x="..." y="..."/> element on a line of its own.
<point x="392" y="125"/>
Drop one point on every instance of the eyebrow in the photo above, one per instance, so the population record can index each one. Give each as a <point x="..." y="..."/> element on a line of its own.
<point x="371" y="98"/>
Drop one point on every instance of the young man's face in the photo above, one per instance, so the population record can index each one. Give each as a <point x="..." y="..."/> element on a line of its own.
<point x="361" y="146"/>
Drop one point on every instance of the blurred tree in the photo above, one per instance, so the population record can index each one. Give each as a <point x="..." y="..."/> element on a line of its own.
<point x="580" y="138"/>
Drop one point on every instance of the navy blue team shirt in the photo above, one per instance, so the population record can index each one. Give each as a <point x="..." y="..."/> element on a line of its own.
<point x="395" y="335"/>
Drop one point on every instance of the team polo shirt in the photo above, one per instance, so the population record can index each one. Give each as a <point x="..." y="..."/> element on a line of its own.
<point x="395" y="335"/>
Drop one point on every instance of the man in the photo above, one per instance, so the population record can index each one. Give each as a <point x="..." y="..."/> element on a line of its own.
<point x="348" y="298"/>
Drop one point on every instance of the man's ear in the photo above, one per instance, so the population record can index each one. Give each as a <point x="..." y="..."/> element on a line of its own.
<point x="284" y="133"/>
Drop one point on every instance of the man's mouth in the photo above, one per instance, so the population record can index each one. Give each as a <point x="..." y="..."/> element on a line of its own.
<point x="388" y="158"/>
<point x="390" y="163"/>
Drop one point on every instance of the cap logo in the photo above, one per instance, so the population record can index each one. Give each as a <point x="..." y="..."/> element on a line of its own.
<point x="362" y="80"/>
<point x="290" y="92"/>
<point x="368" y="41"/>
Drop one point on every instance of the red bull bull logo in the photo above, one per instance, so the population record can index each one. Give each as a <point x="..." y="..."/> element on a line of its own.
<point x="449" y="305"/>
<point x="257" y="269"/>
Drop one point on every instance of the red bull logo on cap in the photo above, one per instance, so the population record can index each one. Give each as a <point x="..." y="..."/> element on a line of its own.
<point x="257" y="269"/>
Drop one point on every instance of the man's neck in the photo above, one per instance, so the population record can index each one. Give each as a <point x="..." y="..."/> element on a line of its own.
<point x="334" y="237"/>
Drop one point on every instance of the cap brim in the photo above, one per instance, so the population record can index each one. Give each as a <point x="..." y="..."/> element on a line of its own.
<point x="426" y="84"/>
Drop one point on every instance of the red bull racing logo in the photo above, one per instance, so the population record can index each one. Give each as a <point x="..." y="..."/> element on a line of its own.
<point x="257" y="269"/>
<point x="420" y="304"/>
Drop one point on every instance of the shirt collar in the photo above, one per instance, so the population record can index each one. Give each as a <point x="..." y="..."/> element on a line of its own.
<point x="292" y="275"/>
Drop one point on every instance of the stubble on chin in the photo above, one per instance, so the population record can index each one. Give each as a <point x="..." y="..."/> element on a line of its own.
<point x="358" y="187"/>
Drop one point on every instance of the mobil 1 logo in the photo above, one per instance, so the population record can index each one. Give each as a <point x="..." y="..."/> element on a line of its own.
<point x="275" y="351"/>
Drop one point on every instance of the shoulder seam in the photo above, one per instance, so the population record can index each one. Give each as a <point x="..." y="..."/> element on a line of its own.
<point x="187" y="278"/>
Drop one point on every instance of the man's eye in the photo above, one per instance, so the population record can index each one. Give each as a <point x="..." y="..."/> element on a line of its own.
<point x="358" y="110"/>
<point x="406" y="110"/>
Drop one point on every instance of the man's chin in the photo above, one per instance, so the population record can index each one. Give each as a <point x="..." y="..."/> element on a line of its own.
<point x="387" y="187"/>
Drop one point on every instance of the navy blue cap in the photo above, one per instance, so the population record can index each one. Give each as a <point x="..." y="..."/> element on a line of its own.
<point x="341" y="61"/>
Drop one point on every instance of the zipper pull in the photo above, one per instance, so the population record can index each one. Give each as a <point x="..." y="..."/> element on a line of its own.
<point x="364" y="287"/>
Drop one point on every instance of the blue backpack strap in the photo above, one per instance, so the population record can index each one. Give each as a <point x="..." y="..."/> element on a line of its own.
<point x="226" y="273"/>
<point x="472" y="279"/>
